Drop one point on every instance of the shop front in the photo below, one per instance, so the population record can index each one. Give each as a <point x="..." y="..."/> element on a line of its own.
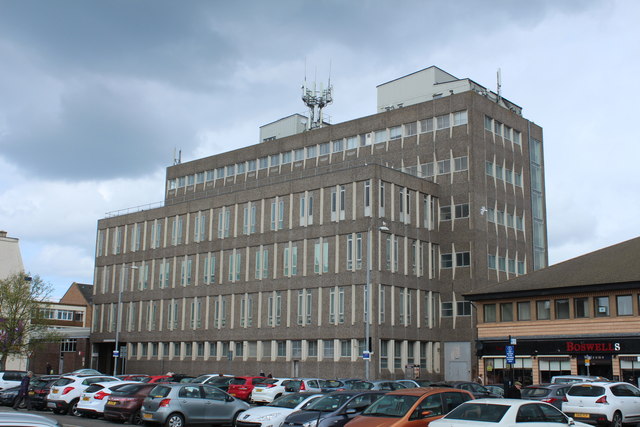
<point x="538" y="360"/>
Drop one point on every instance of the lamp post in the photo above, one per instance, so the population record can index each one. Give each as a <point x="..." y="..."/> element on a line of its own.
<point x="116" y="353"/>
<point x="367" y="311"/>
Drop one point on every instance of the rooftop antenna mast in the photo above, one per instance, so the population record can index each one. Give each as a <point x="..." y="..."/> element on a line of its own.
<point x="316" y="100"/>
<point x="499" y="78"/>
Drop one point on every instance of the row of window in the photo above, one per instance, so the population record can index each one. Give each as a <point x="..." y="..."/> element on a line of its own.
<point x="401" y="255"/>
<point x="311" y="152"/>
<point x="505" y="264"/>
<point x="58" y="314"/>
<point x="508" y="219"/>
<point x="561" y="308"/>
<point x="308" y="306"/>
<point x="393" y="354"/>
<point x="274" y="214"/>
<point x="509" y="176"/>
<point x="500" y="129"/>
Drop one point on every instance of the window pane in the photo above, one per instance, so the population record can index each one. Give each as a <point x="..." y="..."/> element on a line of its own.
<point x="524" y="310"/>
<point x="544" y="310"/>
<point x="601" y="305"/>
<point x="562" y="309"/>
<point x="624" y="305"/>
<point x="506" y="312"/>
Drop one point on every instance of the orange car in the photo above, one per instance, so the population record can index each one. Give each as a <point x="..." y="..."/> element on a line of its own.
<point x="411" y="407"/>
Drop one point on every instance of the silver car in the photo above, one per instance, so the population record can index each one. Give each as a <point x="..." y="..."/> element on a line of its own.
<point x="178" y="405"/>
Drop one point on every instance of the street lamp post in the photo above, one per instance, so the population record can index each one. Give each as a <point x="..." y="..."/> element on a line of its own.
<point x="367" y="304"/>
<point x="116" y="353"/>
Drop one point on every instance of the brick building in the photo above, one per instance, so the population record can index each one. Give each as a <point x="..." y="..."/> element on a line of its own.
<point x="262" y="258"/>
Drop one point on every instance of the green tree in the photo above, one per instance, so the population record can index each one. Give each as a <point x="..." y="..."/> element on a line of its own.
<point x="22" y="322"/>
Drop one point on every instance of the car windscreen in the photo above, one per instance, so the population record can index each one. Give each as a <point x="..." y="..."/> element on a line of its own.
<point x="200" y="379"/>
<point x="586" y="390"/>
<point x="391" y="405"/>
<point x="63" y="381"/>
<point x="129" y="389"/>
<point x="238" y="381"/>
<point x="160" y="391"/>
<point x="93" y="388"/>
<point x="361" y="385"/>
<point x="484" y="412"/>
<point x="38" y="383"/>
<point x="266" y="381"/>
<point x="219" y="381"/>
<point x="289" y="401"/>
<point x="533" y="392"/>
<point x="331" y="383"/>
<point x="329" y="403"/>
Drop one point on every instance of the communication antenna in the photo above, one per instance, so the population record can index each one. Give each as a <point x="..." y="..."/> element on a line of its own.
<point x="316" y="100"/>
<point x="499" y="78"/>
<point x="177" y="159"/>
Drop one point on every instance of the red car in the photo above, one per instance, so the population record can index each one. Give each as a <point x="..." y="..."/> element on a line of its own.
<point x="152" y="379"/>
<point x="124" y="404"/>
<point x="241" y="387"/>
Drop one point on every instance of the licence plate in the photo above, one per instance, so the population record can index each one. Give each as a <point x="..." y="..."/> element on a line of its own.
<point x="233" y="394"/>
<point x="111" y="402"/>
<point x="54" y="390"/>
<point x="51" y="405"/>
<point x="578" y="415"/>
<point x="85" y="398"/>
<point x="147" y="416"/>
<point x="31" y="393"/>
<point x="258" y="390"/>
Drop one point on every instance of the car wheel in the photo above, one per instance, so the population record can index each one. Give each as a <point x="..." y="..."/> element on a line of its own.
<point x="616" y="421"/>
<point x="73" y="408"/>
<point x="235" y="418"/>
<point x="135" y="418"/>
<point x="174" y="420"/>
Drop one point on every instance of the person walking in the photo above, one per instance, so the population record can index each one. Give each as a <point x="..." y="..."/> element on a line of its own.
<point x="514" y="391"/>
<point x="23" y="393"/>
<point x="49" y="369"/>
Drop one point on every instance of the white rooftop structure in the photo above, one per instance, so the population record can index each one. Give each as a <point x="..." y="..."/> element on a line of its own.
<point x="10" y="257"/>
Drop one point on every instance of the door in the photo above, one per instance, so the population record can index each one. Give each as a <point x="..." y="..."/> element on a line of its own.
<point x="217" y="409"/>
<point x="192" y="404"/>
<point x="457" y="356"/>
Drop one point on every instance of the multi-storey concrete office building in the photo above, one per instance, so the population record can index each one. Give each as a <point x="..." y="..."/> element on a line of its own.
<point x="257" y="259"/>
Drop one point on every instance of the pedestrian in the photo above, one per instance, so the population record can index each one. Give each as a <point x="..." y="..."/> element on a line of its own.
<point x="479" y="380"/>
<point x="23" y="393"/>
<point x="514" y="391"/>
<point x="269" y="376"/>
<point x="49" y="369"/>
<point x="261" y="374"/>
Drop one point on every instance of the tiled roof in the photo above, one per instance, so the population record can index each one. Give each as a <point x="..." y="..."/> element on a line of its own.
<point x="616" y="266"/>
<point x="87" y="291"/>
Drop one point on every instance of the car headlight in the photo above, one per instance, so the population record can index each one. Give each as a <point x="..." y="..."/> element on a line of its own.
<point x="310" y="423"/>
<point x="267" y="417"/>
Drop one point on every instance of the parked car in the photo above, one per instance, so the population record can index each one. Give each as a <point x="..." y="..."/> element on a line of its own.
<point x="411" y="407"/>
<point x="335" y="409"/>
<point x="124" y="403"/>
<point x="570" y="379"/>
<point x="10" y="379"/>
<point x="311" y="385"/>
<point x="479" y="391"/>
<point x="18" y="419"/>
<point x="498" y="389"/>
<point x="178" y="405"/>
<point x="8" y="396"/>
<point x="241" y="387"/>
<point x="550" y="393"/>
<point x="505" y="413"/>
<point x="268" y="390"/>
<point x="274" y="413"/>
<point x="39" y="388"/>
<point x="327" y="386"/>
<point x="416" y="383"/>
<point x="603" y="402"/>
<point x="94" y="398"/>
<point x="65" y="392"/>
<point x="154" y="379"/>
<point x="132" y="377"/>
<point x="218" y="380"/>
<point x="85" y="371"/>
<point x="378" y="385"/>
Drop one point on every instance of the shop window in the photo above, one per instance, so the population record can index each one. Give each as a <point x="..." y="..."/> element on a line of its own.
<point x="601" y="306"/>
<point x="581" y="307"/>
<point x="562" y="309"/>
<point x="543" y="310"/>
<point x="550" y="367"/>
<point x="506" y="312"/>
<point x="524" y="310"/>
<point x="624" y="305"/>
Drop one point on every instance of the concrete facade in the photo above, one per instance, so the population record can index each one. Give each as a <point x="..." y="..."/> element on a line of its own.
<point x="443" y="187"/>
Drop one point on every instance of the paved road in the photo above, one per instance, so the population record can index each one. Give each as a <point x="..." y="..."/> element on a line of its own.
<point x="66" y="420"/>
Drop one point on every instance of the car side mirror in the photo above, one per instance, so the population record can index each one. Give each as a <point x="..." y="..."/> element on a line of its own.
<point x="425" y="414"/>
<point x="571" y="422"/>
<point x="229" y="399"/>
<point x="351" y="411"/>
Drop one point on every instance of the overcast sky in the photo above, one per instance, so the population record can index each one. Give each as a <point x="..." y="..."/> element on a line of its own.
<point x="96" y="95"/>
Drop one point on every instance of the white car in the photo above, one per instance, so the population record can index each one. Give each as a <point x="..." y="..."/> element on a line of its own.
<point x="65" y="392"/>
<point x="9" y="379"/>
<point x="268" y="390"/>
<point x="93" y="399"/>
<point x="603" y="402"/>
<point x="274" y="414"/>
<point x="505" y="412"/>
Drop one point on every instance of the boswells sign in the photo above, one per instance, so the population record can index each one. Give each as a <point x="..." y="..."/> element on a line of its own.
<point x="593" y="347"/>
